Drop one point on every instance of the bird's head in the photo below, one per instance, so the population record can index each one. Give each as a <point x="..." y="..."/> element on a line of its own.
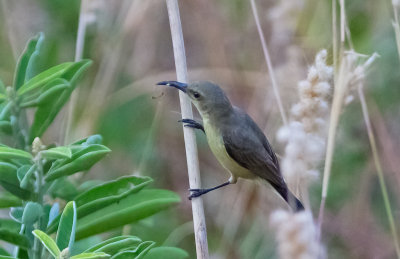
<point x="206" y="96"/>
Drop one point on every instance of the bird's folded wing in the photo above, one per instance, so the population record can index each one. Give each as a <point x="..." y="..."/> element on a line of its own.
<point x="254" y="153"/>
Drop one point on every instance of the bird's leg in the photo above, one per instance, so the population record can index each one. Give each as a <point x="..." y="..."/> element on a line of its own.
<point x="199" y="192"/>
<point x="192" y="124"/>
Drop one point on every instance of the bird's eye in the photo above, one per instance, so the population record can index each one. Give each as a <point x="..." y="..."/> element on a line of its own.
<point x="196" y="95"/>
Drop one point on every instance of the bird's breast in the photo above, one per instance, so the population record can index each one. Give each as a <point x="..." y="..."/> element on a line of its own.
<point x="217" y="146"/>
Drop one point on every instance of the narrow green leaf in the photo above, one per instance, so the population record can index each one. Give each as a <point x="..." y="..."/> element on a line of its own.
<point x="137" y="253"/>
<point x="14" y="238"/>
<point x="10" y="182"/>
<point x="63" y="188"/>
<point x="80" y="161"/>
<point x="57" y="153"/>
<point x="3" y="97"/>
<point x="98" y="246"/>
<point x="109" y="192"/>
<point x="124" y="244"/>
<point x="32" y="212"/>
<point x="6" y="111"/>
<point x="47" y="111"/>
<point x="166" y="253"/>
<point x="5" y="257"/>
<point x="128" y="210"/>
<point x="47" y="93"/>
<point x="90" y="255"/>
<point x="10" y="225"/>
<point x="66" y="230"/>
<point x="48" y="242"/>
<point x="94" y="139"/>
<point x="27" y="60"/>
<point x="26" y="179"/>
<point x="54" y="211"/>
<point x="16" y="214"/>
<point x="44" y="77"/>
<point x="5" y="127"/>
<point x="8" y="200"/>
<point x="10" y="153"/>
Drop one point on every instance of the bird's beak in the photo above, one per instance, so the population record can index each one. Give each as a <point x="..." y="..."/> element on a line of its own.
<point x="176" y="84"/>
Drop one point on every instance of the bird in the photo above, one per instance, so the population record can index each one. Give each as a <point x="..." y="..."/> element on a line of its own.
<point x="234" y="138"/>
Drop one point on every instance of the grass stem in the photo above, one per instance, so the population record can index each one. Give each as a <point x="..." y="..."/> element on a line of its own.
<point x="200" y="231"/>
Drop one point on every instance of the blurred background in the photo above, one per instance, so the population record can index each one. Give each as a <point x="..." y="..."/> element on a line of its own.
<point x="130" y="44"/>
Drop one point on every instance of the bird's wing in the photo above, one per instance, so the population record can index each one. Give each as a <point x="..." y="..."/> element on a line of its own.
<point x="248" y="146"/>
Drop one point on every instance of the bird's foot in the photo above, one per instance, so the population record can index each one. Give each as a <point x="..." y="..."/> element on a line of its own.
<point x="197" y="193"/>
<point x="192" y="124"/>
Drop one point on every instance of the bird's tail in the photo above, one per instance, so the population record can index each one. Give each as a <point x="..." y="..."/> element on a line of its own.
<point x="288" y="196"/>
<point x="293" y="202"/>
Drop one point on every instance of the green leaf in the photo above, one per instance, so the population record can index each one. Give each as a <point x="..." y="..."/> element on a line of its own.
<point x="10" y="182"/>
<point x="109" y="192"/>
<point x="54" y="211"/>
<point x="80" y="161"/>
<point x="66" y="229"/>
<point x="5" y="126"/>
<point x="46" y="94"/>
<point x="108" y="241"/>
<point x="48" y="242"/>
<point x="3" y="97"/>
<point x="27" y="60"/>
<point x="16" y="214"/>
<point x="130" y="209"/>
<point x="166" y="253"/>
<point x="10" y="153"/>
<point x="44" y="77"/>
<point x="63" y="188"/>
<point x="10" y="225"/>
<point x="8" y="200"/>
<point x="136" y="253"/>
<point x="26" y="175"/>
<point x="90" y="256"/>
<point x="14" y="238"/>
<point x="6" y="257"/>
<point x="115" y="245"/>
<point x="47" y="111"/>
<point x="6" y="111"/>
<point x="32" y="212"/>
<point x="57" y="153"/>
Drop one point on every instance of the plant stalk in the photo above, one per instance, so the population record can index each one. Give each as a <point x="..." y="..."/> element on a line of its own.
<point x="379" y="171"/>
<point x="200" y="231"/>
<point x="269" y="63"/>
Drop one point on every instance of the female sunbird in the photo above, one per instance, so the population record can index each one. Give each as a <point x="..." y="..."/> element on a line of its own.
<point x="234" y="138"/>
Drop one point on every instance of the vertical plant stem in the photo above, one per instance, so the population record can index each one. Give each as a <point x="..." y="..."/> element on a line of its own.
<point x="334" y="37"/>
<point x="378" y="166"/>
<point x="396" y="27"/>
<point x="37" y="247"/>
<point x="269" y="63"/>
<point x="80" y="43"/>
<point x="200" y="231"/>
<point x="337" y="103"/>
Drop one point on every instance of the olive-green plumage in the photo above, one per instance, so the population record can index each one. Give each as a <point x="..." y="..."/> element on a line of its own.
<point x="234" y="138"/>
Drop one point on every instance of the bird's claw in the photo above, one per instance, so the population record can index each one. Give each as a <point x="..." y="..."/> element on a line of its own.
<point x="192" y="124"/>
<point x="197" y="193"/>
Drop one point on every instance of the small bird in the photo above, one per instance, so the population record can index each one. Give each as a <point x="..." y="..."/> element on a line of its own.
<point x="234" y="138"/>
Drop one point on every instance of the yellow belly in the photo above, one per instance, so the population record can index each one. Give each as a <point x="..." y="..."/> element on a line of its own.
<point x="217" y="146"/>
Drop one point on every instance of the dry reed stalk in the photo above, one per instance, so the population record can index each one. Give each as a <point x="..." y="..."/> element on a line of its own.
<point x="200" y="231"/>
<point x="269" y="63"/>
<point x="80" y="42"/>
<point x="395" y="23"/>
<point x="379" y="169"/>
